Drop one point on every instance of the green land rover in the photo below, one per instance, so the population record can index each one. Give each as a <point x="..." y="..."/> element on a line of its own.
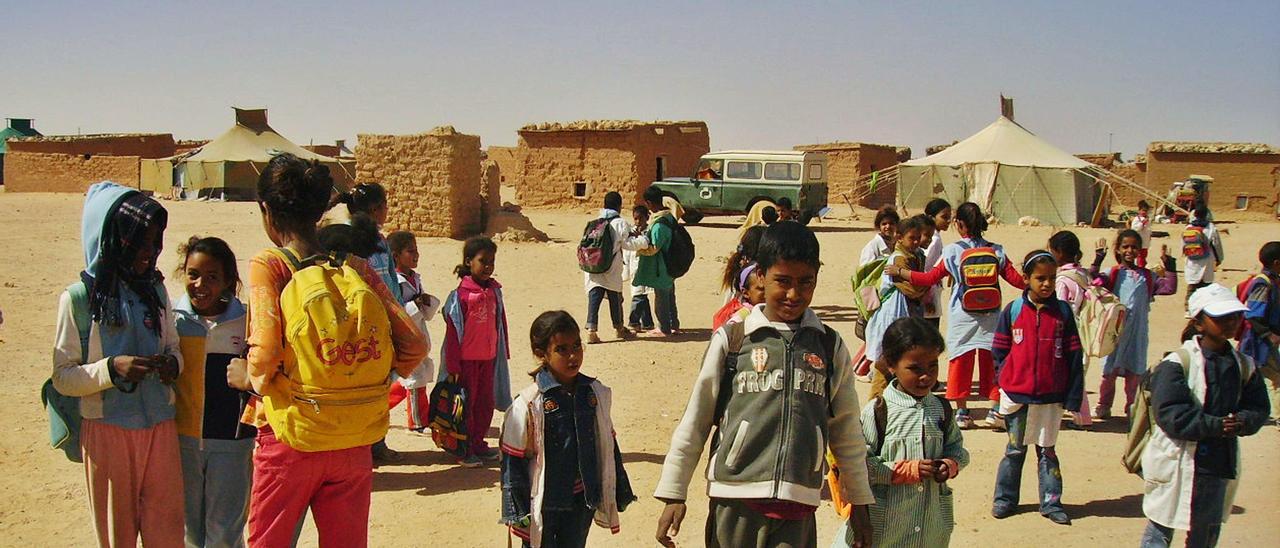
<point x="730" y="182"/>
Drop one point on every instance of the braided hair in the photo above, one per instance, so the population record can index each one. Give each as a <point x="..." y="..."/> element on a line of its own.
<point x="123" y="237"/>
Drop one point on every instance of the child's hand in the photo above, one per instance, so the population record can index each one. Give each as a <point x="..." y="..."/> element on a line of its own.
<point x="132" y="368"/>
<point x="892" y="270"/>
<point x="1231" y="425"/>
<point x="238" y="374"/>
<point x="669" y="522"/>
<point x="928" y="469"/>
<point x="860" y="522"/>
<point x="166" y="366"/>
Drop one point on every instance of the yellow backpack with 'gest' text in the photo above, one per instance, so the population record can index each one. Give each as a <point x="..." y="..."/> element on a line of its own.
<point x="338" y="356"/>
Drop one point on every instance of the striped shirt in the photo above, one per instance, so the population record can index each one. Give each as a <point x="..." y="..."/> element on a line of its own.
<point x="911" y="514"/>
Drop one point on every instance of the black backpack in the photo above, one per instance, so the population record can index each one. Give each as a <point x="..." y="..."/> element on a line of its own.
<point x="679" y="254"/>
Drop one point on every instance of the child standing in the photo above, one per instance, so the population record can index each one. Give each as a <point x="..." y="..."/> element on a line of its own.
<point x="881" y="245"/>
<point x="940" y="211"/>
<point x="1135" y="286"/>
<point x="607" y="285"/>
<point x="217" y="451"/>
<point x="371" y="199"/>
<point x="765" y="476"/>
<point x="421" y="307"/>
<point x="313" y="448"/>
<point x="123" y="373"/>
<point x="1202" y="246"/>
<point x="976" y="265"/>
<point x="1260" y="337"/>
<point x="1141" y="223"/>
<point x="641" y="318"/>
<point x="1070" y="287"/>
<point x="475" y="344"/>
<point x="1040" y="370"/>
<point x="900" y="299"/>
<point x="561" y="465"/>
<point x="1203" y="397"/>
<point x="913" y="444"/>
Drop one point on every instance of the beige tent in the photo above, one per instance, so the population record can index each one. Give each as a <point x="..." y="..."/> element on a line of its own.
<point x="1008" y="171"/>
<point x="228" y="167"/>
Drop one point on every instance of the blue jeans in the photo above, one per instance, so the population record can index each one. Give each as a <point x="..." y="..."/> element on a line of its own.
<point x="594" y="297"/>
<point x="1009" y="474"/>
<point x="1207" y="498"/>
<point x="641" y="313"/>
<point x="665" y="306"/>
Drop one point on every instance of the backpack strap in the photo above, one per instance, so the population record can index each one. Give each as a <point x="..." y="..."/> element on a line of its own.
<point x="948" y="415"/>
<point x="829" y="346"/>
<point x="1015" y="309"/>
<point x="79" y="293"/>
<point x="736" y="332"/>
<point x="880" y="410"/>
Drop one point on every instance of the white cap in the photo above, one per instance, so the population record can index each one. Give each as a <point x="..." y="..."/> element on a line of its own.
<point x="1215" y="300"/>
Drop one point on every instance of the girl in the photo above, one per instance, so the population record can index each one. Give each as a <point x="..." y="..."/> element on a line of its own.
<point x="974" y="307"/>
<point x="1070" y="287"/>
<point x="1204" y="397"/>
<point x="1135" y="286"/>
<point x="940" y="211"/>
<point x="901" y="299"/>
<point x="334" y="482"/>
<point x="881" y="245"/>
<point x="422" y="307"/>
<point x="217" y="451"/>
<point x="122" y="373"/>
<point x="371" y="199"/>
<point x="1202" y="246"/>
<point x="561" y="466"/>
<point x="750" y="289"/>
<point x="1040" y="369"/>
<point x="475" y="344"/>
<point x="913" y="444"/>
<point x="1141" y="223"/>
<point x="741" y="257"/>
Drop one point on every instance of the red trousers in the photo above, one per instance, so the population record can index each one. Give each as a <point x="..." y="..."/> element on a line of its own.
<point x="336" y="485"/>
<point x="135" y="483"/>
<point x="416" y="408"/>
<point x="477" y="380"/>
<point x="960" y="375"/>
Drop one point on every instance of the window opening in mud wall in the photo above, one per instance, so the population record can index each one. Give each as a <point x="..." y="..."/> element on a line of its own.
<point x="1242" y="201"/>
<point x="662" y="168"/>
<point x="580" y="190"/>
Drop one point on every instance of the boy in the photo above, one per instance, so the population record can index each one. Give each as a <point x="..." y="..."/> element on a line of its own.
<point x="1202" y="247"/>
<point x="641" y="318"/>
<point x="651" y="268"/>
<point x="1142" y="224"/>
<point x="789" y="396"/>
<point x="1260" y="338"/>
<point x="785" y="211"/>
<point x="607" y="285"/>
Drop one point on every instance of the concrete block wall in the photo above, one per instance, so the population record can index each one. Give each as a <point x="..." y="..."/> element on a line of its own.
<point x="51" y="172"/>
<point x="433" y="180"/>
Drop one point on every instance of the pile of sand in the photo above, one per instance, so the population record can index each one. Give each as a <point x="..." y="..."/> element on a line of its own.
<point x="509" y="226"/>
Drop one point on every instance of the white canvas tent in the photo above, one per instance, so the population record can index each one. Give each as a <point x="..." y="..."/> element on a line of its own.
<point x="1008" y="171"/>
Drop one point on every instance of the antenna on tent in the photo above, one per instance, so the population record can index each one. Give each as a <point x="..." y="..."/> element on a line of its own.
<point x="1006" y="106"/>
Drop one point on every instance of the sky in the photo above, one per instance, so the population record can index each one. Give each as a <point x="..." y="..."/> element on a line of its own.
<point x="1087" y="76"/>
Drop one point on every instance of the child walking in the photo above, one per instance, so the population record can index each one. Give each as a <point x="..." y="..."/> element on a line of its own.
<point x="1135" y="286"/>
<point x="1040" y="370"/>
<point x="765" y="476"/>
<point x="217" y="451"/>
<point x="561" y="465"/>
<point x="640" y="319"/>
<point x="475" y="344"/>
<point x="421" y="307"/>
<point x="901" y="299"/>
<point x="122" y="373"/>
<point x="1204" y="397"/>
<point x="913" y="444"/>
<point x="976" y="265"/>
<point x="313" y="448"/>
<point x="1260" y="336"/>
<point x="1202" y="246"/>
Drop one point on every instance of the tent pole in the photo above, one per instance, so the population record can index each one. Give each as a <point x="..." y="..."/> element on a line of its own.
<point x="1098" y="211"/>
<point x="1132" y="186"/>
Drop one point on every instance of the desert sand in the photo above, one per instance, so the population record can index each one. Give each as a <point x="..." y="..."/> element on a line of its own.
<point x="429" y="501"/>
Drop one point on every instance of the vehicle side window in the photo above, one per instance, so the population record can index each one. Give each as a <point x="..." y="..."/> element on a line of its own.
<point x="710" y="169"/>
<point x="774" y="171"/>
<point x="743" y="170"/>
<point x="815" y="172"/>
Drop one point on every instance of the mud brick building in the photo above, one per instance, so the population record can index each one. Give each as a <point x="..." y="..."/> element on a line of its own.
<point x="70" y="163"/>
<point x="847" y="162"/>
<point x="433" y="180"/>
<point x="1244" y="173"/>
<point x="574" y="165"/>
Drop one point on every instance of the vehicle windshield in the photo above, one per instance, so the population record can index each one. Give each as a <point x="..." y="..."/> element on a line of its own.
<point x="710" y="169"/>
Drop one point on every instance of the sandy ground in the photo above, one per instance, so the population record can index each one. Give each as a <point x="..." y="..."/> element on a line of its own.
<point x="428" y="500"/>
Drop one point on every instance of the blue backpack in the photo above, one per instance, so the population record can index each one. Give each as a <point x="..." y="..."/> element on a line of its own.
<point x="64" y="411"/>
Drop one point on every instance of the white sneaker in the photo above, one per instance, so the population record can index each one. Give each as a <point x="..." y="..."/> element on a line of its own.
<point x="994" y="421"/>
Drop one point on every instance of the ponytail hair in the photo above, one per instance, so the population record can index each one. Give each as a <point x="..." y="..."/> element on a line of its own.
<point x="745" y="254"/>
<point x="975" y="223"/>
<point x="362" y="198"/>
<point x="1066" y="244"/>
<point x="473" y="246"/>
<point x="295" y="191"/>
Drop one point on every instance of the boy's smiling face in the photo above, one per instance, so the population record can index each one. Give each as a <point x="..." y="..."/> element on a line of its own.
<point x="788" y="290"/>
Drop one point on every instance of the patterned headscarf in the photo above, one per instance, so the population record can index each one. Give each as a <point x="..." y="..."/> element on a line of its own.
<point x="122" y="237"/>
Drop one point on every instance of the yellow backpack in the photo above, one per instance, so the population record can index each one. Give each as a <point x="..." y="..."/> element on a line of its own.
<point x="332" y="393"/>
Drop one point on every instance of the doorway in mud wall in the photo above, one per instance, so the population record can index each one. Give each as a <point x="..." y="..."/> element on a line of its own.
<point x="661" y="169"/>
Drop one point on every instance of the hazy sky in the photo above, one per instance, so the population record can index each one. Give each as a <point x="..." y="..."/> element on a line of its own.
<point x="762" y="75"/>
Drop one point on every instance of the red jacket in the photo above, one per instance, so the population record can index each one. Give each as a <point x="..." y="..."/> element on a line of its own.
<point x="1037" y="353"/>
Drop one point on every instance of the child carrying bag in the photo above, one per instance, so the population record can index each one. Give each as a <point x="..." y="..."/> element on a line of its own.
<point x="595" y="250"/>
<point x="979" y="279"/>
<point x="447" y="417"/>
<point x="64" y="411"/>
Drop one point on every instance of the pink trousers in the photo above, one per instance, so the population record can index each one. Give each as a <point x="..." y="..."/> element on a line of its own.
<point x="135" y="484"/>
<point x="1107" y="391"/>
